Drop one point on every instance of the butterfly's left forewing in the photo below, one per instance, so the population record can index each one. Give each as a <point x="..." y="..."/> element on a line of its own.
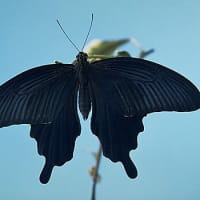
<point x="35" y="96"/>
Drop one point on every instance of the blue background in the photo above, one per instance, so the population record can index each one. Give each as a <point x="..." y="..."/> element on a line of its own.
<point x="167" y="158"/>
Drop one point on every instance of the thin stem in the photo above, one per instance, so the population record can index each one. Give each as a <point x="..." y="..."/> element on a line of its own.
<point x="95" y="177"/>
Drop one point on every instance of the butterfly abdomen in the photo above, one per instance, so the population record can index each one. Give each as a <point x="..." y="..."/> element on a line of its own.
<point x="84" y="100"/>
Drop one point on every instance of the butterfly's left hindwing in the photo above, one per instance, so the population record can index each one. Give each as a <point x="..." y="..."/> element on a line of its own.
<point x="56" y="140"/>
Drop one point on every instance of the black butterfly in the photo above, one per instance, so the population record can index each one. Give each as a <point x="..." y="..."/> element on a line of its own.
<point x="120" y="91"/>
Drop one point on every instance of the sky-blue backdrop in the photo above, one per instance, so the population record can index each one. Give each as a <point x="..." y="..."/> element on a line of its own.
<point x="167" y="158"/>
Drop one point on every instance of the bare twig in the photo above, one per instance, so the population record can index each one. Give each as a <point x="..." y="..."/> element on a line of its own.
<point x="95" y="176"/>
<point x="145" y="53"/>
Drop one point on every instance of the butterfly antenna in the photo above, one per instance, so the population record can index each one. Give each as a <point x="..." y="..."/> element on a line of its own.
<point x="88" y="32"/>
<point x="67" y="36"/>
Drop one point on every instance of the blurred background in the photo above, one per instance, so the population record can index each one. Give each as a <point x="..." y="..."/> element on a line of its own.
<point x="167" y="157"/>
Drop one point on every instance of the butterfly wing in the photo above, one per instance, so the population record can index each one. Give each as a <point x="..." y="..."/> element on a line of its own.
<point x="56" y="140"/>
<point x="123" y="91"/>
<point x="35" y="96"/>
<point x="46" y="98"/>
<point x="117" y="134"/>
<point x="146" y="87"/>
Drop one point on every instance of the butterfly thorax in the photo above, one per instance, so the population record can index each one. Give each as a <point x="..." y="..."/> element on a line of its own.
<point x="84" y="94"/>
<point x="82" y="66"/>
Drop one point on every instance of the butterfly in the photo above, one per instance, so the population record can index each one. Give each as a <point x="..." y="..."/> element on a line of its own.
<point x="119" y="91"/>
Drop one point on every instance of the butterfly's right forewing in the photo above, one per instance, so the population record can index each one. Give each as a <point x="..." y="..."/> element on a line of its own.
<point x="145" y="87"/>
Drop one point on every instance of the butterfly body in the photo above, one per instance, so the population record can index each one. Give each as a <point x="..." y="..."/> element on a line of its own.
<point x="84" y="94"/>
<point x="120" y="91"/>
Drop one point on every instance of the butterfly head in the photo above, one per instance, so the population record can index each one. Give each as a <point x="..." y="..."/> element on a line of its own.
<point x="82" y="57"/>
